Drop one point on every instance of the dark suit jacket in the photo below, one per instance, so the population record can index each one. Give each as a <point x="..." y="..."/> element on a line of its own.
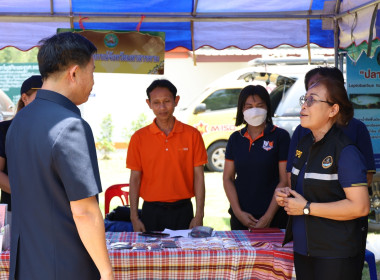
<point x="51" y="161"/>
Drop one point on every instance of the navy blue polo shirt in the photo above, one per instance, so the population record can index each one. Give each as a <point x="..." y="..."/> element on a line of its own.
<point x="351" y="170"/>
<point x="256" y="166"/>
<point x="355" y="130"/>
<point x="51" y="162"/>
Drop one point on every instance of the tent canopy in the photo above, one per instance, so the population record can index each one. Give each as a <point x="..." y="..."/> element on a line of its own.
<point x="196" y="23"/>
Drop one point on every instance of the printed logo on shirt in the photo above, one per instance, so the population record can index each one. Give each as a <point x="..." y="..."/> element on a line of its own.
<point x="183" y="149"/>
<point x="268" y="145"/>
<point x="327" y="162"/>
<point x="298" y="153"/>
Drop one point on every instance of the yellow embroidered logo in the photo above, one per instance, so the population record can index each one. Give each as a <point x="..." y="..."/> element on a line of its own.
<point x="298" y="153"/>
<point x="327" y="162"/>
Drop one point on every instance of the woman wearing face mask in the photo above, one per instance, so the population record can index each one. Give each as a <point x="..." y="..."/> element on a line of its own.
<point x="255" y="164"/>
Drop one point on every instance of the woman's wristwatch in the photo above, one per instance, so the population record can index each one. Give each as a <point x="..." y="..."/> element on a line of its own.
<point x="306" y="209"/>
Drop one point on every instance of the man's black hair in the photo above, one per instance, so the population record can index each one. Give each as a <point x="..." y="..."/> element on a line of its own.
<point x="62" y="50"/>
<point x="327" y="72"/>
<point x="162" y="83"/>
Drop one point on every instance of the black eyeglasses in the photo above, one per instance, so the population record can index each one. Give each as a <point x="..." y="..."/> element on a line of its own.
<point x="310" y="101"/>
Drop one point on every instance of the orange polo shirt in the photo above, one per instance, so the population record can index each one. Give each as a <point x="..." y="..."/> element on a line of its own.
<point x="167" y="162"/>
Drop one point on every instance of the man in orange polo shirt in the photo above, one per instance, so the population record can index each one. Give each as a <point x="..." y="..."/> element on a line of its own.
<point x="166" y="159"/>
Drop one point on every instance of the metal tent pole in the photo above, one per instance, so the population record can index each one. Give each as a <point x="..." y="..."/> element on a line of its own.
<point x="336" y="35"/>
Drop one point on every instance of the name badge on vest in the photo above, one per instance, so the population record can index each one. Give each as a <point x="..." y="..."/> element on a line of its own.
<point x="327" y="162"/>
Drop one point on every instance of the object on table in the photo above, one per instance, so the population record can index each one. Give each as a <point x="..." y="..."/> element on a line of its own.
<point x="201" y="231"/>
<point x="121" y="245"/>
<point x="154" y="247"/>
<point x="169" y="244"/>
<point x="152" y="239"/>
<point x="139" y="246"/>
<point x="187" y="246"/>
<point x="154" y="234"/>
<point x="177" y="233"/>
<point x="230" y="244"/>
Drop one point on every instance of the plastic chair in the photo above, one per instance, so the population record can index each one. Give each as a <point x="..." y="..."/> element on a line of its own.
<point x="115" y="190"/>
<point x="370" y="259"/>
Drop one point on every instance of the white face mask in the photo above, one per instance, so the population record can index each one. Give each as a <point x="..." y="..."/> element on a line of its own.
<point x="255" y="116"/>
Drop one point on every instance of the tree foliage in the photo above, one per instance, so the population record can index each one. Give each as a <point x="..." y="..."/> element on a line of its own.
<point x="140" y="122"/>
<point x="13" y="55"/>
<point x="104" y="142"/>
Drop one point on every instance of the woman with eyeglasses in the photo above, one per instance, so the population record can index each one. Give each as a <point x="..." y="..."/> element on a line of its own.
<point x="255" y="164"/>
<point x="328" y="191"/>
<point x="354" y="129"/>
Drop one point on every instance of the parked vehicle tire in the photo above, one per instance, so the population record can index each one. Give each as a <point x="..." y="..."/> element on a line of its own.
<point x="216" y="153"/>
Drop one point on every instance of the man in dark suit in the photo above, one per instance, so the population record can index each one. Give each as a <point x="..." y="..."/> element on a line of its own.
<point x="57" y="229"/>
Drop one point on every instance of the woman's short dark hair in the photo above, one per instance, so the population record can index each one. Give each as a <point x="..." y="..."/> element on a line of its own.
<point x="337" y="94"/>
<point x="251" y="90"/>
<point x="162" y="83"/>
<point x="62" y="50"/>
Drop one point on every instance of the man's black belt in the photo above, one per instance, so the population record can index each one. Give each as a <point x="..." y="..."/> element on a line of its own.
<point x="174" y="204"/>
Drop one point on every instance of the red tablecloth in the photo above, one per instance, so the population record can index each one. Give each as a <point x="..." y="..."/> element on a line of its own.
<point x="266" y="259"/>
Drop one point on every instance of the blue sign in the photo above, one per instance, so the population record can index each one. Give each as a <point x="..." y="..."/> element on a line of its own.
<point x="363" y="87"/>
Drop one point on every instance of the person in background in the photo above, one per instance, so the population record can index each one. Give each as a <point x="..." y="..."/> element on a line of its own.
<point x="328" y="191"/>
<point x="28" y="93"/>
<point x="57" y="228"/>
<point x="255" y="164"/>
<point x="166" y="159"/>
<point x="354" y="129"/>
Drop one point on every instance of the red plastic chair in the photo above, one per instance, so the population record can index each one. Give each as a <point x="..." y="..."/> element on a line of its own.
<point x="116" y="190"/>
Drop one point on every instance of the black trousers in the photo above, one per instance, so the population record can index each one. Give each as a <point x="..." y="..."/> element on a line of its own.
<point x="312" y="268"/>
<point x="156" y="216"/>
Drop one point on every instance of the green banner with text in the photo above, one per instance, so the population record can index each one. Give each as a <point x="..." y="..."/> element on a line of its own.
<point x="126" y="51"/>
<point x="12" y="75"/>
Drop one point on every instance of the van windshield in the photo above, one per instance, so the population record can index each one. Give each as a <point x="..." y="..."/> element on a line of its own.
<point x="222" y="99"/>
<point x="289" y="106"/>
<point x="277" y="95"/>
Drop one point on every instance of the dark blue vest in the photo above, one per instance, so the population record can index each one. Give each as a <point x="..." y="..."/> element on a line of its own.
<point x="325" y="237"/>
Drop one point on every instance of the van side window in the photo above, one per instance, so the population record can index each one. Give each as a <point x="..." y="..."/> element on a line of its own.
<point x="277" y="95"/>
<point x="222" y="99"/>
